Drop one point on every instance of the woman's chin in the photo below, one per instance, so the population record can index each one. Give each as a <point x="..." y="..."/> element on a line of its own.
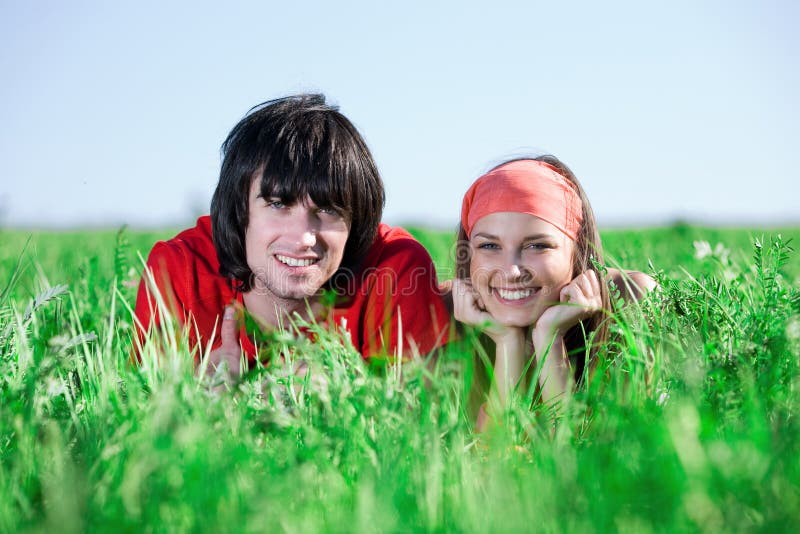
<point x="515" y="318"/>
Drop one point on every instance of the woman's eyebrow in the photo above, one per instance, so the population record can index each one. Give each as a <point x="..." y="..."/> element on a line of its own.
<point x="486" y="236"/>
<point x="532" y="237"/>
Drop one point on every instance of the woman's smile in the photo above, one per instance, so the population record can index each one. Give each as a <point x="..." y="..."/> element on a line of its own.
<point x="514" y="296"/>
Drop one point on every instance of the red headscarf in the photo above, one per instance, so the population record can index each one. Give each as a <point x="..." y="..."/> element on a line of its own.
<point x="524" y="186"/>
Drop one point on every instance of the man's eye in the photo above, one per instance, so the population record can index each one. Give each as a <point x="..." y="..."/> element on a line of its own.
<point x="328" y="211"/>
<point x="275" y="203"/>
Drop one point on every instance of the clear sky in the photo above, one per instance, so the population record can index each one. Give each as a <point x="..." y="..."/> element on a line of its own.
<point x="113" y="112"/>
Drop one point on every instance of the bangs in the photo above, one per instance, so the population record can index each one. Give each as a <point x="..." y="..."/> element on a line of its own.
<point x="297" y="147"/>
<point x="315" y="169"/>
<point x="323" y="189"/>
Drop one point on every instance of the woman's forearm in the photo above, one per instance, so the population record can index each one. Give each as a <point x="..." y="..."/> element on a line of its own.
<point x="508" y="365"/>
<point x="509" y="361"/>
<point x="555" y="373"/>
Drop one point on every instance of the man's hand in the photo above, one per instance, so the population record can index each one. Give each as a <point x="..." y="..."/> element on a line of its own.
<point x="577" y="300"/>
<point x="229" y="352"/>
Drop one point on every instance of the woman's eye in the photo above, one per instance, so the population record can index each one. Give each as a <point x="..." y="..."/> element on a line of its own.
<point x="538" y="246"/>
<point x="488" y="246"/>
<point x="328" y="211"/>
<point x="276" y="203"/>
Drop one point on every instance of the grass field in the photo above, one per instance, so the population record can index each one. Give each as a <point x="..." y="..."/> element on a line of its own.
<point x="692" y="426"/>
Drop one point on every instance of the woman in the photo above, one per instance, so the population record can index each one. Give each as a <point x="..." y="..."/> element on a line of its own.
<point x="527" y="271"/>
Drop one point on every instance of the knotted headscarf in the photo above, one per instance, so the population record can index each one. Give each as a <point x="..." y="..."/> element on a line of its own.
<point x="524" y="186"/>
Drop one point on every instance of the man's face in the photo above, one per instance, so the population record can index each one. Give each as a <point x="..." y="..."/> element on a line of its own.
<point x="292" y="249"/>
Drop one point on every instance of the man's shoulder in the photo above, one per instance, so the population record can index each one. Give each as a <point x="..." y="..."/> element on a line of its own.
<point x="189" y="244"/>
<point x="388" y="233"/>
<point x="192" y="250"/>
<point x="394" y="244"/>
<point x="195" y="240"/>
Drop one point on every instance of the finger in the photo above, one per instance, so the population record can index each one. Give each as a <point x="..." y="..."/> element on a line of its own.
<point x="467" y="310"/>
<point x="462" y="285"/>
<point x="474" y="298"/>
<point x="594" y="280"/>
<point x="588" y="295"/>
<point x="461" y="300"/>
<point x="456" y="286"/>
<point x="569" y="293"/>
<point x="479" y="305"/>
<point x="228" y="333"/>
<point x="466" y="304"/>
<point x="446" y="286"/>
<point x="583" y="283"/>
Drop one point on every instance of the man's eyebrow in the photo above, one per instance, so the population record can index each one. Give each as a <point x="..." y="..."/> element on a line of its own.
<point x="271" y="196"/>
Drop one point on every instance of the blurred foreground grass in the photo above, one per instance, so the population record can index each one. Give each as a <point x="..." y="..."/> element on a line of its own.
<point x="691" y="425"/>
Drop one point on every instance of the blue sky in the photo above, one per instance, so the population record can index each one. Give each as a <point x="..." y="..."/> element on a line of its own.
<point x="114" y="112"/>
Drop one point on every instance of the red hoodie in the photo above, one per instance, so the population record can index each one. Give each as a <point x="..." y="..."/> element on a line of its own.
<point x="395" y="286"/>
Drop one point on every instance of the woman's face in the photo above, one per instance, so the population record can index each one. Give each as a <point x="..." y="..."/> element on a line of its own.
<point x="519" y="263"/>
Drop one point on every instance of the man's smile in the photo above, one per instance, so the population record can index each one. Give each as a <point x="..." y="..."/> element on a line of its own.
<point x="296" y="262"/>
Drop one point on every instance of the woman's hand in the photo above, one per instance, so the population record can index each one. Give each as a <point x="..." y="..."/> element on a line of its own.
<point x="510" y="350"/>
<point x="577" y="300"/>
<point x="469" y="309"/>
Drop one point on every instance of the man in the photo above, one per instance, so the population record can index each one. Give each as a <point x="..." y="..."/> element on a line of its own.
<point x="296" y="212"/>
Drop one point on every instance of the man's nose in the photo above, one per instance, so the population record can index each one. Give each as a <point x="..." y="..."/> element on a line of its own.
<point x="306" y="224"/>
<point x="308" y="238"/>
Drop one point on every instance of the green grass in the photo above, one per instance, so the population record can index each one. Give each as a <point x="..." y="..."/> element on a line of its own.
<point x="692" y="425"/>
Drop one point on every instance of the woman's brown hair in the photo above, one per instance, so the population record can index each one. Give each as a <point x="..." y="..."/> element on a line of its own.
<point x="587" y="255"/>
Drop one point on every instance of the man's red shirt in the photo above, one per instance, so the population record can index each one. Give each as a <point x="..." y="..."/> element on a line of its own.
<point x="393" y="290"/>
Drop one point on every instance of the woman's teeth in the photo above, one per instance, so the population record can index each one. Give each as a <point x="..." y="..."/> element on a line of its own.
<point x="513" y="295"/>
<point x="295" y="262"/>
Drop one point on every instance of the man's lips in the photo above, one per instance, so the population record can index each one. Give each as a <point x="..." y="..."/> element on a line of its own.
<point x="296" y="261"/>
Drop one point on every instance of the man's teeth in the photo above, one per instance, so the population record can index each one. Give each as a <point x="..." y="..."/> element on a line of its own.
<point x="295" y="262"/>
<point x="514" y="295"/>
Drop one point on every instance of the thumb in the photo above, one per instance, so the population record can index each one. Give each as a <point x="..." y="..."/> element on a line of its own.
<point x="228" y="333"/>
<point x="566" y="293"/>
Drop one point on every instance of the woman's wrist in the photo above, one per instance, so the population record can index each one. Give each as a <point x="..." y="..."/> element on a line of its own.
<point x="511" y="336"/>
<point x="549" y="341"/>
<point x="510" y="356"/>
<point x="545" y="333"/>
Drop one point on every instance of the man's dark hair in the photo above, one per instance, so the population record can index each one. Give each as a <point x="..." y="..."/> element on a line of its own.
<point x="299" y="146"/>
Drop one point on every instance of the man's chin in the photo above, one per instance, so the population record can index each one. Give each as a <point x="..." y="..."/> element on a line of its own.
<point x="300" y="293"/>
<point x="301" y="288"/>
<point x="301" y="296"/>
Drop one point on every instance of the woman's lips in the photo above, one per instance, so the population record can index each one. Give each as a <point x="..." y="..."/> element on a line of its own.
<point x="514" y="296"/>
